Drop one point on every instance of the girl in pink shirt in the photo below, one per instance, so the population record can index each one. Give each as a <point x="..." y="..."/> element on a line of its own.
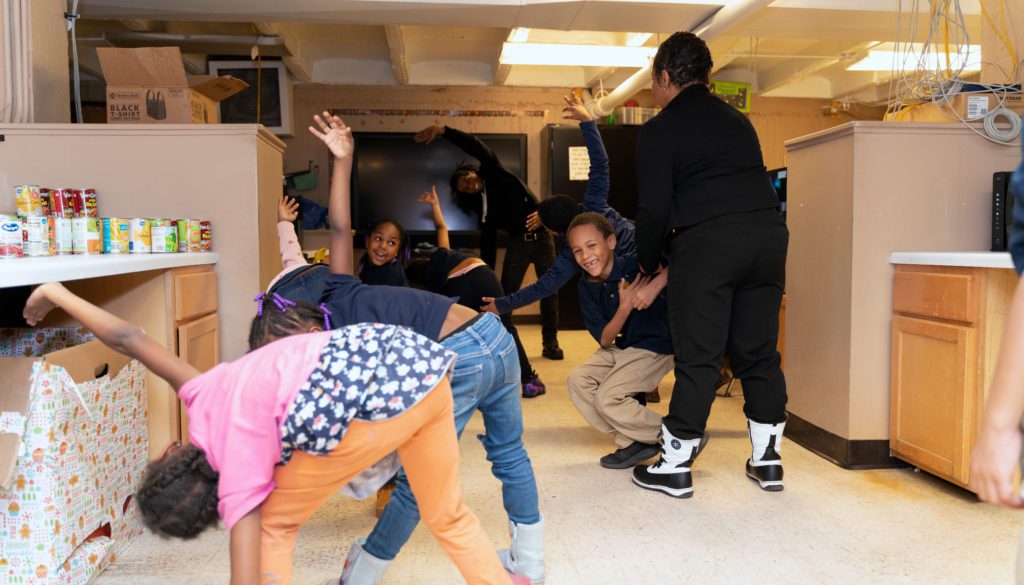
<point x="278" y="431"/>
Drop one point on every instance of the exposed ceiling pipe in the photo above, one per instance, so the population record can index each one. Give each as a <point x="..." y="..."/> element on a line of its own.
<point x="722" y="20"/>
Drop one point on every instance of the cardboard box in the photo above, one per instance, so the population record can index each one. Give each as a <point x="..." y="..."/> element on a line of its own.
<point x="73" y="445"/>
<point x="971" y="107"/>
<point x="149" y="86"/>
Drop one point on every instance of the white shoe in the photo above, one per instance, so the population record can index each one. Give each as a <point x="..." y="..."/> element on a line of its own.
<point x="765" y="463"/>
<point x="526" y="554"/>
<point x="362" y="568"/>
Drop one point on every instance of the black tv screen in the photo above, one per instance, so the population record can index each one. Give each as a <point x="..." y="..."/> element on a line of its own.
<point x="391" y="170"/>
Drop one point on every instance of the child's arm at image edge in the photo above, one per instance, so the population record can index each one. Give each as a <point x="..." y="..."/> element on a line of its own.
<point x="338" y="139"/>
<point x="116" y="333"/>
<point x="291" y="252"/>
<point x="245" y="550"/>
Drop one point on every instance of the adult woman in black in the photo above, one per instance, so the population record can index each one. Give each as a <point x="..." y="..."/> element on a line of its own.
<point x="706" y="203"/>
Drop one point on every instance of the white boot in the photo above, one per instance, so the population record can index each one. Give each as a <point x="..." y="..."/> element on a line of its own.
<point x="526" y="555"/>
<point x="362" y="568"/>
<point x="765" y="463"/>
<point x="671" y="474"/>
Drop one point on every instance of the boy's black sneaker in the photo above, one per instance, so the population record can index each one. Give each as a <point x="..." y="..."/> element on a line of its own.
<point x="630" y="455"/>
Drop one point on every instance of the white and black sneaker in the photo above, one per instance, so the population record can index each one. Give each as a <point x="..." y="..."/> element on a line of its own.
<point x="765" y="463"/>
<point x="671" y="474"/>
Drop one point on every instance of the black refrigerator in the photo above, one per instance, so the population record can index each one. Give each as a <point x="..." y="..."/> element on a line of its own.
<point x="620" y="142"/>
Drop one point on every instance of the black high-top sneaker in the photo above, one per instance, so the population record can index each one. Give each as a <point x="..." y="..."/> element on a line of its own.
<point x="671" y="474"/>
<point x="765" y="463"/>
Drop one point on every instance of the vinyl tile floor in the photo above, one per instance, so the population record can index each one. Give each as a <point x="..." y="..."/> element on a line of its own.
<point x="829" y="526"/>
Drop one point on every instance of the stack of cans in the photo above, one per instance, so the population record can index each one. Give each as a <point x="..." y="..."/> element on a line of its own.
<point x="66" y="221"/>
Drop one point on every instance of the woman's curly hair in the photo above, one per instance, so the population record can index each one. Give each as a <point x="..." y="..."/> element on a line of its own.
<point x="178" y="495"/>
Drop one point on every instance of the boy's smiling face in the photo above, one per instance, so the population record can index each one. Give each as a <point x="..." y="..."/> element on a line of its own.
<point x="594" y="252"/>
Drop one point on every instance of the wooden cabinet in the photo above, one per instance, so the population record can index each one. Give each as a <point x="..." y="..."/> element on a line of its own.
<point x="196" y="325"/>
<point x="946" y="328"/>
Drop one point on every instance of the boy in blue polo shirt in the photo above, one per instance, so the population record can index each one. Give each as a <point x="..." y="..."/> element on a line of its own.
<point x="636" y="351"/>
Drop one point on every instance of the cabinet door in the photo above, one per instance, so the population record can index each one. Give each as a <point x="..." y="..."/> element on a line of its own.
<point x="199" y="345"/>
<point x="933" y="377"/>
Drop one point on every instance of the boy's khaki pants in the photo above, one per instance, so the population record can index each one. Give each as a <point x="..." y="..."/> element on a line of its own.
<point x="602" y="389"/>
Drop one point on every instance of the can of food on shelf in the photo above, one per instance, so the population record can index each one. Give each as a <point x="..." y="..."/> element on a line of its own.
<point x="189" y="235"/>
<point x="51" y="237"/>
<point x="60" y="203"/>
<point x="63" y="235"/>
<point x="75" y="198"/>
<point x="36" y="236"/>
<point x="140" y="237"/>
<point x="205" y="236"/>
<point x="27" y="200"/>
<point x="10" y="236"/>
<point x="89" y="203"/>
<point x="165" y="236"/>
<point x="86" y="235"/>
<point x="44" y="201"/>
<point x="116" y="235"/>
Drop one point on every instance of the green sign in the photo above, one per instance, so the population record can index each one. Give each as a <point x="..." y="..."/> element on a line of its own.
<point x="735" y="93"/>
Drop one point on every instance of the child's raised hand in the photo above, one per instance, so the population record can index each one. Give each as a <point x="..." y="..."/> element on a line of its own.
<point x="428" y="134"/>
<point x="287" y="209"/>
<point x="39" y="304"/>
<point x="575" y="110"/>
<point x="429" y="197"/>
<point x="335" y="134"/>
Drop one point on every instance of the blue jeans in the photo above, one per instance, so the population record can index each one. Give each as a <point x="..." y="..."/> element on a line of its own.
<point x="486" y="378"/>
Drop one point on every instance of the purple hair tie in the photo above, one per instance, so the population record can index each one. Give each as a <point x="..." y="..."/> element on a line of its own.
<point x="327" y="316"/>
<point x="259" y="303"/>
<point x="282" y="303"/>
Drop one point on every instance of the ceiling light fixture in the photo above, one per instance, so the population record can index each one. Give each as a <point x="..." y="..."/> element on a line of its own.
<point x="519" y="35"/>
<point x="637" y="39"/>
<point x="913" y="59"/>
<point x="575" y="55"/>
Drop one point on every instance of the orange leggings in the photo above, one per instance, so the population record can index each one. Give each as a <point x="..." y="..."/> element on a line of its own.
<point x="424" y="437"/>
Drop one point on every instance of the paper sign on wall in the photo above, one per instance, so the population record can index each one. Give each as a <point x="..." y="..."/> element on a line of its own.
<point x="579" y="163"/>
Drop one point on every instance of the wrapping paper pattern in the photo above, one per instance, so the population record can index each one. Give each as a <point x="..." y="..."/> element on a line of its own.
<point x="68" y="511"/>
<point x="40" y="341"/>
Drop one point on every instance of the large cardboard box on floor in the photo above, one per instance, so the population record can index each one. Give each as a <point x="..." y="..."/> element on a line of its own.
<point x="149" y="86"/>
<point x="73" y="444"/>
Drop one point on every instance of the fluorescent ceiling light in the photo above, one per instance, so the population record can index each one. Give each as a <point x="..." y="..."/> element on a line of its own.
<point x="913" y="59"/>
<point x="575" y="55"/>
<point x="637" y="39"/>
<point x="519" y="35"/>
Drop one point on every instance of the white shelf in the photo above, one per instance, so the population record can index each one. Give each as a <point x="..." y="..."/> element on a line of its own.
<point x="28" y="271"/>
<point x="966" y="259"/>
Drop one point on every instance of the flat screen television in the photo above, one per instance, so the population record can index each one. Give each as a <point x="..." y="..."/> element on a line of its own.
<point x="391" y="170"/>
<point x="778" y="177"/>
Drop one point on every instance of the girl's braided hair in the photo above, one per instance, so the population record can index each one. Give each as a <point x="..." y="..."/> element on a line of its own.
<point x="283" y="319"/>
<point x="178" y="495"/>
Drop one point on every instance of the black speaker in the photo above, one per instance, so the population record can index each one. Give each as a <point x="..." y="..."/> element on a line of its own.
<point x="1002" y="211"/>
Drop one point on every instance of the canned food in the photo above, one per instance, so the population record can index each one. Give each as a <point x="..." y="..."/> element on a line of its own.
<point x="60" y="203"/>
<point x="11" y="237"/>
<point x="27" y="197"/>
<point x="165" y="236"/>
<point x="51" y="238"/>
<point x="63" y="235"/>
<point x="86" y="235"/>
<point x="116" y="235"/>
<point x="44" y="201"/>
<point x="206" y="236"/>
<point x="140" y="241"/>
<point x="36" y="236"/>
<point x="189" y="235"/>
<point x="89" y="203"/>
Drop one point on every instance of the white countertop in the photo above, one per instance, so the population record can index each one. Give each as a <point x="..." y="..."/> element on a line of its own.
<point x="968" y="259"/>
<point x="28" y="271"/>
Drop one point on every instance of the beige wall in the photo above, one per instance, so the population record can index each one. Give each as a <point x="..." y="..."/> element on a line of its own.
<point x="50" y="71"/>
<point x="857" y="193"/>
